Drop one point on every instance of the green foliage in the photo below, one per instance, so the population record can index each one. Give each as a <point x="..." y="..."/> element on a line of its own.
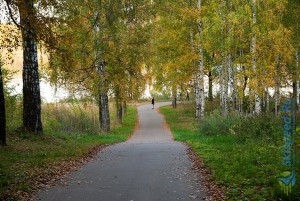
<point x="121" y="39"/>
<point x="243" y="152"/>
<point x="13" y="102"/>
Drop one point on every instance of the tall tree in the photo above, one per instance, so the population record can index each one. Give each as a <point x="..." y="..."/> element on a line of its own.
<point x="254" y="56"/>
<point x="35" y="22"/>
<point x="104" y="43"/>
<point x="199" y="85"/>
<point x="31" y="84"/>
<point x="100" y="64"/>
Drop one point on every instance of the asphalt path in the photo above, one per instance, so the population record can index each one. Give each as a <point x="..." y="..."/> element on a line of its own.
<point x="150" y="166"/>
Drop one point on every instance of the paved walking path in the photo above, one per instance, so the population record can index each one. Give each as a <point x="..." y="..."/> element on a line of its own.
<point x="148" y="167"/>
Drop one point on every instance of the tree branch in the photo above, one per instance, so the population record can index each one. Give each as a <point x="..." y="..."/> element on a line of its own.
<point x="11" y="15"/>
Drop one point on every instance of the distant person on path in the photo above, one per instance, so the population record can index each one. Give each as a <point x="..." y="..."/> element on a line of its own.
<point x="152" y="103"/>
<point x="187" y="96"/>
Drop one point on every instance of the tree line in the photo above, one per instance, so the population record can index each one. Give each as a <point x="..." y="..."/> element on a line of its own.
<point x="95" y="47"/>
<point x="99" y="48"/>
<point x="245" y="49"/>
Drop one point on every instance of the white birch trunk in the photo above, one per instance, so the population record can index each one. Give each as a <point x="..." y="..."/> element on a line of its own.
<point x="267" y="101"/>
<point x="221" y="85"/>
<point x="232" y="82"/>
<point x="298" y="93"/>
<point x="254" y="60"/>
<point x="231" y="71"/>
<point x="100" y="65"/>
<point x="199" y="90"/>
<point x="225" y="87"/>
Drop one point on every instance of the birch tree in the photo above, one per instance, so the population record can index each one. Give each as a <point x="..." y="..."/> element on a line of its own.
<point x="100" y="65"/>
<point x="31" y="87"/>
<point x="36" y="22"/>
<point x="104" y="43"/>
<point x="199" y="85"/>
<point x="31" y="84"/>
<point x="254" y="57"/>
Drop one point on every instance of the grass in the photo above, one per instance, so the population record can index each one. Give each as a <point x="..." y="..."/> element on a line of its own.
<point x="244" y="154"/>
<point x="70" y="134"/>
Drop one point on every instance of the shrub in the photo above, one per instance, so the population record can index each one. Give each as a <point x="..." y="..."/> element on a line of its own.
<point x="13" y="102"/>
<point x="241" y="126"/>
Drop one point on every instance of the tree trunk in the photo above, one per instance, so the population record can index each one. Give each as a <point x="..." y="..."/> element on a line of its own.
<point x="210" y="84"/>
<point x="225" y="86"/>
<point x="277" y="87"/>
<point x="263" y="101"/>
<point x="100" y="65"/>
<point x="244" y="91"/>
<point x="221" y="83"/>
<point x="2" y="111"/>
<point x="254" y="60"/>
<point x="251" y="110"/>
<point x="174" y="96"/>
<point x="103" y="98"/>
<point x="31" y="84"/>
<point x="230" y="68"/>
<point x="233" y="85"/>
<point x="199" y="90"/>
<point x="245" y="84"/>
<point x="267" y="100"/>
<point x="124" y="108"/>
<point x="298" y="87"/>
<point x="119" y="105"/>
<point x="119" y="111"/>
<point x="298" y="94"/>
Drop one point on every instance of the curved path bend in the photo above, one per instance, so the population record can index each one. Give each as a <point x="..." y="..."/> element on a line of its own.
<point x="150" y="166"/>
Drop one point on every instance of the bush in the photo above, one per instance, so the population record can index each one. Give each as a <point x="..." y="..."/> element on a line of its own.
<point x="13" y="102"/>
<point x="241" y="126"/>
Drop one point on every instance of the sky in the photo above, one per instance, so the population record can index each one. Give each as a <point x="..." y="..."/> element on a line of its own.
<point x="2" y="13"/>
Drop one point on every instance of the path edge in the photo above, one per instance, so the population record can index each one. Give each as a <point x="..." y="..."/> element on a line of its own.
<point x="214" y="192"/>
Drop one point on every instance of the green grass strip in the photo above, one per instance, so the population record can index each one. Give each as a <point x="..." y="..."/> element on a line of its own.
<point x="247" y="165"/>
